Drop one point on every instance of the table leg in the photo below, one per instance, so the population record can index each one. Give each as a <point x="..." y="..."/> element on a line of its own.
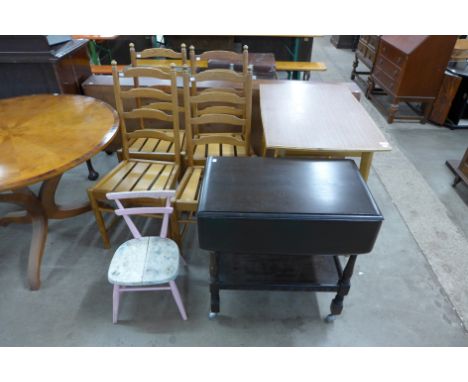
<point x="355" y="65"/>
<point x="264" y="148"/>
<point x="54" y="210"/>
<point x="37" y="211"/>
<point x="344" y="285"/>
<point x="92" y="173"/>
<point x="26" y="199"/>
<point x="214" y="284"/>
<point x="364" y="167"/>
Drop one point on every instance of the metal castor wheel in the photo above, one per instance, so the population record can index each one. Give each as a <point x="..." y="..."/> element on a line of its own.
<point x="330" y="318"/>
<point x="212" y="315"/>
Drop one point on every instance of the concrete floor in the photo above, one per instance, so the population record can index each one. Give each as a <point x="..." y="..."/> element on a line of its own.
<point x="403" y="294"/>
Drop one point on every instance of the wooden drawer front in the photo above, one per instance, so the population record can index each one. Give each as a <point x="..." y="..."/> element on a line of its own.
<point x="366" y="54"/>
<point x="392" y="54"/>
<point x="374" y="41"/>
<point x="389" y="84"/>
<point x="365" y="38"/>
<point x="388" y="68"/>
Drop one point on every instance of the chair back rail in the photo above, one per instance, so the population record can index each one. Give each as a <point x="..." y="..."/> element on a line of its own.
<point x="220" y="110"/>
<point x="224" y="55"/>
<point x="166" y="211"/>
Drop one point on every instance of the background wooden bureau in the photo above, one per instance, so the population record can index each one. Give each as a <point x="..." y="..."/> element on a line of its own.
<point x="411" y="69"/>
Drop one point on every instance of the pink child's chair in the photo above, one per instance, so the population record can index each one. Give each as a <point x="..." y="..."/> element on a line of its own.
<point x="145" y="262"/>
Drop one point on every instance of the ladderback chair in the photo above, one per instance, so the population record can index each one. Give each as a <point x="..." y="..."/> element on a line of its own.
<point x="145" y="263"/>
<point x="133" y="174"/>
<point x="233" y="59"/>
<point x="208" y="108"/>
<point x="217" y="120"/>
<point x="153" y="148"/>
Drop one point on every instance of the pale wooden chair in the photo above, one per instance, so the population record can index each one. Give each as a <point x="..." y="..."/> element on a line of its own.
<point x="152" y="148"/>
<point x="220" y="107"/>
<point x="134" y="174"/>
<point x="219" y="123"/>
<point x="232" y="58"/>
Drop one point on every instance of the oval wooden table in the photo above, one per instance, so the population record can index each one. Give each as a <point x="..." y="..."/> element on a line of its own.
<point x="41" y="137"/>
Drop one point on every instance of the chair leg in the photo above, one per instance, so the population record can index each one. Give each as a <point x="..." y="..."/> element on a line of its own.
<point x="115" y="304"/>
<point x="99" y="219"/>
<point x="178" y="299"/>
<point x="175" y="232"/>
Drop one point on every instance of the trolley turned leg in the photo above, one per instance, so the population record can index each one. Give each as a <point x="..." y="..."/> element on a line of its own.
<point x="344" y="285"/>
<point x="214" y="285"/>
<point x="355" y="64"/>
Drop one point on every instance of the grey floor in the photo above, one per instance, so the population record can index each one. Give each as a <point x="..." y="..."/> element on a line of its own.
<point x="410" y="291"/>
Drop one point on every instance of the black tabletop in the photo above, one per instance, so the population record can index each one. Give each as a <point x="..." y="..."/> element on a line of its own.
<point x="285" y="186"/>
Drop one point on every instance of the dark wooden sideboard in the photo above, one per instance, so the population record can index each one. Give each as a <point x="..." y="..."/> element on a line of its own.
<point x="30" y="65"/>
<point x="410" y="69"/>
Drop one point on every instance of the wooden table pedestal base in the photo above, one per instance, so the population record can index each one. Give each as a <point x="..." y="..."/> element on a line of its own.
<point x="38" y="210"/>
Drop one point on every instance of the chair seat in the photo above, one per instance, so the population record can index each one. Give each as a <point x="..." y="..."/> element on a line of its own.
<point x="188" y="189"/>
<point x="138" y="175"/>
<point x="201" y="152"/>
<point x="145" y="261"/>
<point x="153" y="148"/>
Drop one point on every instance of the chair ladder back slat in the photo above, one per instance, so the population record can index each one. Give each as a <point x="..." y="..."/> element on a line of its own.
<point x="221" y="110"/>
<point x="218" y="96"/>
<point x="142" y="71"/>
<point x="148" y="113"/>
<point x="146" y="93"/>
<point x="218" y="118"/>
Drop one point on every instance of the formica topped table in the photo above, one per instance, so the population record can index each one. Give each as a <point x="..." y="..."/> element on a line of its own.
<point x="41" y="137"/>
<point x="280" y="224"/>
<point x="318" y="120"/>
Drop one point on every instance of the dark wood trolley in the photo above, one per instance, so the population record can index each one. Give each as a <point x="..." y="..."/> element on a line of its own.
<point x="280" y="224"/>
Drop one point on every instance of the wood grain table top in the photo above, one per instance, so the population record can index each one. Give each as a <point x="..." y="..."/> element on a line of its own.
<point x="320" y="117"/>
<point x="42" y="136"/>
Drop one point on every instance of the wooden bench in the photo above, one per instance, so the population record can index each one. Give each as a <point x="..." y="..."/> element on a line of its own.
<point x="300" y="66"/>
<point x="287" y="66"/>
<point x="105" y="69"/>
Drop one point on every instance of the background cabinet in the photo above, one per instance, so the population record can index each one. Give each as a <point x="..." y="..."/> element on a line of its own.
<point x="411" y="69"/>
<point x="30" y="65"/>
<point x="365" y="54"/>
